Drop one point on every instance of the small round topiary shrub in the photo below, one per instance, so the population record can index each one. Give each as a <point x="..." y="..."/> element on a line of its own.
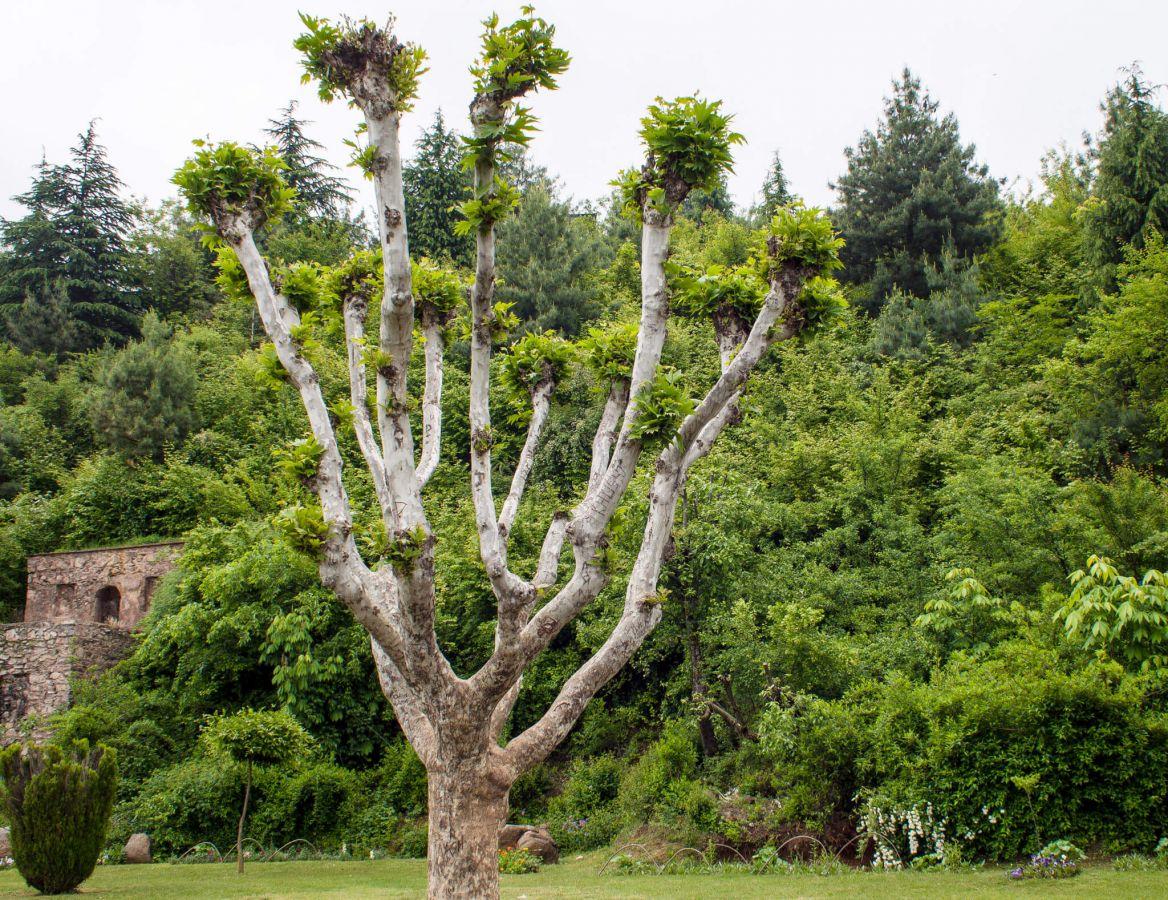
<point x="59" y="804"/>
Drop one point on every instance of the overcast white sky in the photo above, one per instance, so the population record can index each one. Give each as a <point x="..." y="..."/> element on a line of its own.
<point x="803" y="77"/>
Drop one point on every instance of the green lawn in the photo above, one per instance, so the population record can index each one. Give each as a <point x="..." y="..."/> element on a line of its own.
<point x="578" y="879"/>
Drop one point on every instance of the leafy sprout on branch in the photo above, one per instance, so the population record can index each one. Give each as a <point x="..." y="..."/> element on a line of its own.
<point x="800" y="236"/>
<point x="532" y="361"/>
<point x="688" y="142"/>
<point x="660" y="407"/>
<point x="358" y="279"/>
<point x="438" y="292"/>
<point x="225" y="182"/>
<point x="518" y="57"/>
<point x="699" y="294"/>
<point x="359" y="60"/>
<point x="609" y="351"/>
<point x="515" y="59"/>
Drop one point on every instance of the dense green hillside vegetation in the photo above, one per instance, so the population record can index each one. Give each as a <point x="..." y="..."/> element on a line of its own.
<point x="920" y="585"/>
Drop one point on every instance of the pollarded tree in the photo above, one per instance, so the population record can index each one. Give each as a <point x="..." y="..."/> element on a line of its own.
<point x="454" y="723"/>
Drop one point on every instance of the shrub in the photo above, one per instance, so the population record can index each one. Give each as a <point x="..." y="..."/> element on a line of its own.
<point x="409" y="839"/>
<point x="59" y="804"/>
<point x="179" y="806"/>
<point x="1001" y="748"/>
<point x="584" y="815"/>
<point x="519" y="861"/>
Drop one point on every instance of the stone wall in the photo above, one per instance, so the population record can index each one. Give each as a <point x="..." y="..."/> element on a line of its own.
<point x="111" y="586"/>
<point x="37" y="659"/>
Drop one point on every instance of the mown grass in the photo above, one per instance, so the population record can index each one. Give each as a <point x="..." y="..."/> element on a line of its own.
<point x="578" y="879"/>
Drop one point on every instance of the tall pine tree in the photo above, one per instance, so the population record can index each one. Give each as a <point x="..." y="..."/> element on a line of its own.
<point x="319" y="193"/>
<point x="912" y="191"/>
<point x="73" y="239"/>
<point x="435" y="183"/>
<point x="776" y="192"/>
<point x="547" y="257"/>
<point x="1130" y="199"/>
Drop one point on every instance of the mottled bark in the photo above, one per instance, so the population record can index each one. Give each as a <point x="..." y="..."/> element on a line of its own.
<point x="466" y="812"/>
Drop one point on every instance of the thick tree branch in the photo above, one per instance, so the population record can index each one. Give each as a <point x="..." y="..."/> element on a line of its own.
<point x="341" y="566"/>
<point x="642" y="608"/>
<point x="396" y="331"/>
<point x="411" y="716"/>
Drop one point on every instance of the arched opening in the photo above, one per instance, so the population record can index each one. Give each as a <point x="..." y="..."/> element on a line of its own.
<point x="109" y="604"/>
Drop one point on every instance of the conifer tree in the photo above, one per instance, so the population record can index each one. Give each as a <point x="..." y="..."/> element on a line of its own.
<point x="319" y="193"/>
<point x="45" y="321"/>
<point x="75" y="233"/>
<point x="1131" y="188"/>
<point x="142" y="401"/>
<point x="435" y="184"/>
<point x="34" y="254"/>
<point x="776" y="192"/>
<point x="911" y="191"/>
<point x="545" y="256"/>
<point x="95" y="222"/>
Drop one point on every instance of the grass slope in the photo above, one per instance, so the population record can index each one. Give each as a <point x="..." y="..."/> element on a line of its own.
<point x="578" y="879"/>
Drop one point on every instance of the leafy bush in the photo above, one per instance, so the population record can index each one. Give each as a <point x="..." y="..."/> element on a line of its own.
<point x="584" y="815"/>
<point x="519" y="861"/>
<point x="410" y="840"/>
<point x="59" y="805"/>
<point x="660" y="407"/>
<point x="1000" y="748"/>
<point x="181" y="805"/>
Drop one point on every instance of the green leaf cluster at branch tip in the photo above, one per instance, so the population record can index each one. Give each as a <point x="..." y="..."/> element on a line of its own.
<point x="799" y="236"/>
<point x="688" y="143"/>
<point x="518" y="57"/>
<point x="438" y="292"/>
<point x="361" y="61"/>
<point x="226" y="182"/>
<point x="699" y="294"/>
<point x="609" y="351"/>
<point x="515" y="59"/>
<point x="532" y="361"/>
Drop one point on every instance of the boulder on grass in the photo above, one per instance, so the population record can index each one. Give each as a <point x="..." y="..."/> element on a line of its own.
<point x="5" y="843"/>
<point x="509" y="836"/>
<point x="538" y="842"/>
<point x="138" y="849"/>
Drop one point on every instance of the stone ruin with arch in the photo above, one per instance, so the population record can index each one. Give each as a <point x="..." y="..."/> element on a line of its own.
<point x="79" y="614"/>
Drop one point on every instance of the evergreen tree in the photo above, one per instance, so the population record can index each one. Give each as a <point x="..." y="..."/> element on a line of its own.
<point x="142" y="400"/>
<point x="546" y="257"/>
<point x="45" y="321"/>
<point x="75" y="233"/>
<point x="319" y="193"/>
<point x="95" y="223"/>
<point x="699" y="203"/>
<point x="776" y="193"/>
<point x="912" y="190"/>
<point x="173" y="267"/>
<point x="35" y="253"/>
<point x="1131" y="187"/>
<point x="435" y="183"/>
